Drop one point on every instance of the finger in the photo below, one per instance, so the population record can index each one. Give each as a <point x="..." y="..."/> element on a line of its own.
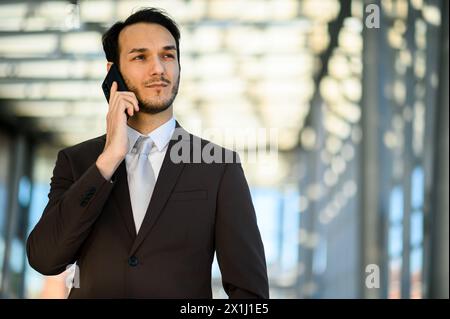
<point x="116" y="100"/>
<point x="130" y="110"/>
<point x="113" y="88"/>
<point x="133" y="96"/>
<point x="129" y="93"/>
<point x="124" y="106"/>
<point x="112" y="94"/>
<point x="131" y="99"/>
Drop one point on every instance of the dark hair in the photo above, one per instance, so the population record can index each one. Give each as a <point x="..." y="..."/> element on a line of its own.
<point x="110" y="38"/>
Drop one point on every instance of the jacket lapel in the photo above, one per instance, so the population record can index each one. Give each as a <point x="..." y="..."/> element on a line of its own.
<point x="166" y="181"/>
<point x="121" y="195"/>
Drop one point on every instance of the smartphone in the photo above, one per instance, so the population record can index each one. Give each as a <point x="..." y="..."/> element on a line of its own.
<point x="113" y="75"/>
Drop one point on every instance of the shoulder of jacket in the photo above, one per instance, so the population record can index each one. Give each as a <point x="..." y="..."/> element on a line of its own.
<point x="86" y="146"/>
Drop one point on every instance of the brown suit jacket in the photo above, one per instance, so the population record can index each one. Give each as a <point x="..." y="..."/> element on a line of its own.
<point x="196" y="209"/>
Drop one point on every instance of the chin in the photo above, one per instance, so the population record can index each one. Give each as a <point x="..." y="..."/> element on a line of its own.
<point x="154" y="110"/>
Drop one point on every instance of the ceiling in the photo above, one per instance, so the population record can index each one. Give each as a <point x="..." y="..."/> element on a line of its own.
<point x="251" y="69"/>
<point x="52" y="63"/>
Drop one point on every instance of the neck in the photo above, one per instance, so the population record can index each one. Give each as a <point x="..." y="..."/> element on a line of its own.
<point x="146" y="123"/>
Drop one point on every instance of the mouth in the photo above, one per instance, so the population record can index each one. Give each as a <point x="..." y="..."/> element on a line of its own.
<point x="158" y="85"/>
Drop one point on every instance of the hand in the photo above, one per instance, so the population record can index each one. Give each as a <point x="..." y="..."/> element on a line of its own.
<point x="116" y="147"/>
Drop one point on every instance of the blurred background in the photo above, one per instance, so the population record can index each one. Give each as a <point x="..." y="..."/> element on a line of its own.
<point x="351" y="191"/>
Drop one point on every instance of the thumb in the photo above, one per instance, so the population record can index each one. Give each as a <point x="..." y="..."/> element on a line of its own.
<point x="113" y="89"/>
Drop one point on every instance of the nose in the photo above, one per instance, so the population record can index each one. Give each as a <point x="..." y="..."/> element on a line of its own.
<point x="156" y="66"/>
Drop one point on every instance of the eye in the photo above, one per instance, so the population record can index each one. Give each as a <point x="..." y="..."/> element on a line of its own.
<point x="169" y="55"/>
<point x="139" y="57"/>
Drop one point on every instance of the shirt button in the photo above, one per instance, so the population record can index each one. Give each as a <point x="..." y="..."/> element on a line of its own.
<point x="133" y="261"/>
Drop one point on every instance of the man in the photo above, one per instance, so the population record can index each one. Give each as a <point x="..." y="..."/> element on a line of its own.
<point x="138" y="223"/>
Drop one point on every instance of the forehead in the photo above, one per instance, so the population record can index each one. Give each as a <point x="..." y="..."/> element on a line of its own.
<point x="148" y="35"/>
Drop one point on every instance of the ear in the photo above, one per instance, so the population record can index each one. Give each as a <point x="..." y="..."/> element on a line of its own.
<point x="108" y="66"/>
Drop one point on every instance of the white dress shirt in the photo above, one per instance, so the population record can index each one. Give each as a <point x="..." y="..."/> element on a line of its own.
<point x="160" y="137"/>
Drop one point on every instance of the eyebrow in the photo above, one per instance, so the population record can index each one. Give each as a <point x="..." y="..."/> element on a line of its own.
<point x="170" y="48"/>
<point x="141" y="50"/>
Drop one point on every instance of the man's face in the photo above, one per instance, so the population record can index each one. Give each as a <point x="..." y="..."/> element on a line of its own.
<point x="149" y="65"/>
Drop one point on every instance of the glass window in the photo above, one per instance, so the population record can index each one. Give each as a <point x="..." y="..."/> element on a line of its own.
<point x="416" y="272"/>
<point x="267" y="206"/>
<point x="395" y="266"/>
<point x="291" y="224"/>
<point x="416" y="228"/>
<point x="4" y="177"/>
<point x="417" y="188"/>
<point x="396" y="205"/>
<point x="395" y="240"/>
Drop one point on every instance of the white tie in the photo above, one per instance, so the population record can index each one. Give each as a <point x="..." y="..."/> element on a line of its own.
<point x="141" y="179"/>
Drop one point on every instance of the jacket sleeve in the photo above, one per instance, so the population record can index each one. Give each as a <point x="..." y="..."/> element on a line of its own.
<point x="72" y="209"/>
<point x="239" y="248"/>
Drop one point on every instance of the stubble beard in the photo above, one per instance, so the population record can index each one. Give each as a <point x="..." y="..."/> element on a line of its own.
<point x="154" y="105"/>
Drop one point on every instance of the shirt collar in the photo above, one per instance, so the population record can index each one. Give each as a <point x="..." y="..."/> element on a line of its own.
<point x="160" y="136"/>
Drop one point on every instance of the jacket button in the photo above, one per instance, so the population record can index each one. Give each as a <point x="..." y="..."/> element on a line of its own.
<point x="133" y="261"/>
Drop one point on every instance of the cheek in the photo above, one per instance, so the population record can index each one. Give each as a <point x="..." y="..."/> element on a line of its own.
<point x="135" y="73"/>
<point x="136" y="78"/>
<point x="173" y="71"/>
